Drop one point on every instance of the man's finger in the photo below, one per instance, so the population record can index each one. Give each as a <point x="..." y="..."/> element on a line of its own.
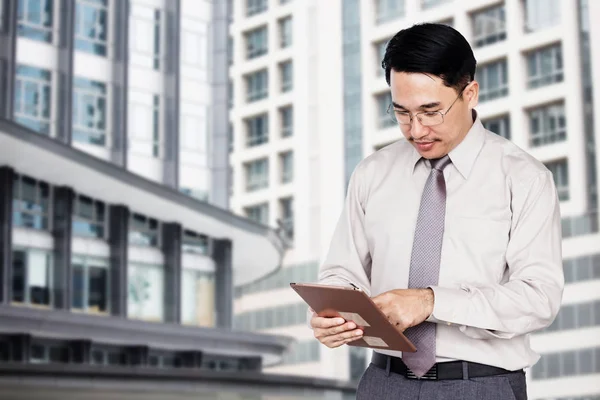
<point x="325" y="322"/>
<point x="346" y="337"/>
<point x="341" y="328"/>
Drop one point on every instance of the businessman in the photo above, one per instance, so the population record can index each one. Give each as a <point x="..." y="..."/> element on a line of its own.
<point x="454" y="232"/>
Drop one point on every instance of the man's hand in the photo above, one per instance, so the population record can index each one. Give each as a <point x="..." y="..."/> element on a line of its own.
<point x="334" y="332"/>
<point x="406" y="307"/>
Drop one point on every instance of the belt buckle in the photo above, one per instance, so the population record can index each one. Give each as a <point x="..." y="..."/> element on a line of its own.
<point x="430" y="375"/>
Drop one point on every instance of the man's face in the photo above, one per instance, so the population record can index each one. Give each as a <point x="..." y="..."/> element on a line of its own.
<point x="417" y="92"/>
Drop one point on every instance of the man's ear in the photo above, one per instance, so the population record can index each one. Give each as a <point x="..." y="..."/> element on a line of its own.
<point x="471" y="94"/>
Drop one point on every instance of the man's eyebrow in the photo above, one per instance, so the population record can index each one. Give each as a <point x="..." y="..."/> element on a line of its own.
<point x="422" y="107"/>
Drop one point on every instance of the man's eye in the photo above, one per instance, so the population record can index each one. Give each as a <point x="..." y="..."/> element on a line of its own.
<point x="430" y="113"/>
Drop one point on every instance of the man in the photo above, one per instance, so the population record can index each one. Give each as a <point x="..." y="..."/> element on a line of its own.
<point x="454" y="232"/>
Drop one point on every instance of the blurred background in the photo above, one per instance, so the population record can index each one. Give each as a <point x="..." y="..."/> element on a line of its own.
<point x="167" y="167"/>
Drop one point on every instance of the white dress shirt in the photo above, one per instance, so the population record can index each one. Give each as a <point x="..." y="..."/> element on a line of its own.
<point x="501" y="271"/>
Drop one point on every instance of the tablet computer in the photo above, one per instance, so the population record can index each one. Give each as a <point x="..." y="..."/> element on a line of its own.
<point x="352" y="304"/>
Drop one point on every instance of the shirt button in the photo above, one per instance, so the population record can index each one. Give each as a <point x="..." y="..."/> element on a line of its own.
<point x="449" y="323"/>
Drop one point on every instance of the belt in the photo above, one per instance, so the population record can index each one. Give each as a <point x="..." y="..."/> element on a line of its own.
<point x="440" y="371"/>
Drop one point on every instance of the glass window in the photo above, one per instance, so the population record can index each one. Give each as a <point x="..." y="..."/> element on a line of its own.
<point x="596" y="268"/>
<point x="553" y="365"/>
<point x="257" y="85"/>
<point x="538" y="371"/>
<point x="198" y="298"/>
<point x="31" y="203"/>
<point x="493" y="81"/>
<point x="257" y="130"/>
<point x="256" y="6"/>
<point x="145" y="299"/>
<point x="287" y="76"/>
<point x="230" y="50"/>
<point x="388" y="10"/>
<point x="567" y="318"/>
<point x="36" y="19"/>
<point x="584" y="268"/>
<point x="89" y="111"/>
<point x="194" y="46"/>
<point x="425" y="4"/>
<point x="286" y="115"/>
<point x="287" y="166"/>
<point x="568" y="363"/>
<point x="560" y="172"/>
<point x="90" y="284"/>
<point x="584" y="315"/>
<point x="257" y="174"/>
<point x="257" y="42"/>
<point x="89" y="217"/>
<point x="285" y="32"/>
<point x="287" y="216"/>
<point x="33" y="98"/>
<point x="145" y="37"/>
<point x="585" y="361"/>
<point x="143" y="231"/>
<point x="380" y="50"/>
<point x="358" y="362"/>
<point x="32" y="277"/>
<point x="383" y="102"/>
<point x="541" y="14"/>
<point x="194" y="242"/>
<point x="38" y="354"/>
<point x="91" y="26"/>
<point x="489" y="26"/>
<point x="547" y="125"/>
<point x="144" y="124"/>
<point x="544" y="67"/>
<point x="258" y="213"/>
<point x="499" y="126"/>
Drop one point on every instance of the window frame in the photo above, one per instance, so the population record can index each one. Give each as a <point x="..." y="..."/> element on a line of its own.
<point x="257" y="85"/>
<point x="254" y="181"/>
<point x="83" y="42"/>
<point x="257" y="42"/>
<point x="32" y="30"/>
<point x="43" y="115"/>
<point x="17" y="200"/>
<point x="544" y="114"/>
<point x="483" y="77"/>
<point x="49" y="259"/>
<point x="153" y="235"/>
<point x="542" y="79"/>
<point x="94" y="221"/>
<point x="496" y="16"/>
<point x="85" y="261"/>
<point x="101" y="93"/>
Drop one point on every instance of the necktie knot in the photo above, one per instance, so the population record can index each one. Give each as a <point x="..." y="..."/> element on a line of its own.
<point x="440" y="163"/>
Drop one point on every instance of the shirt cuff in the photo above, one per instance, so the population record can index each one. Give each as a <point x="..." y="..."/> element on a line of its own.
<point x="444" y="305"/>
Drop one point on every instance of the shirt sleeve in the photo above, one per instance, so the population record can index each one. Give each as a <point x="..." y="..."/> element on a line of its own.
<point x="348" y="260"/>
<point x="531" y="297"/>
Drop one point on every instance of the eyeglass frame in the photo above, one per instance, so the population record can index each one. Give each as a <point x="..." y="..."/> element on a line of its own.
<point x="391" y="110"/>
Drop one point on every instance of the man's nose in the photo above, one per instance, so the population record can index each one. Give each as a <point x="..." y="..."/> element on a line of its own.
<point x="418" y="131"/>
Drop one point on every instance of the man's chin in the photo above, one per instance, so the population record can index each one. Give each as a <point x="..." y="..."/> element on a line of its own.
<point x="428" y="150"/>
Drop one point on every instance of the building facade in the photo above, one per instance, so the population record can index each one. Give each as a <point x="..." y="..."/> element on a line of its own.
<point x="538" y="62"/>
<point x="118" y="258"/>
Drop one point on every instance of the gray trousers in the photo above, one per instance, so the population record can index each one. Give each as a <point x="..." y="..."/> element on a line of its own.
<point x="376" y="384"/>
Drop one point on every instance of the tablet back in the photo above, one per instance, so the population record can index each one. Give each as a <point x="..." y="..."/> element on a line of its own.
<point x="354" y="305"/>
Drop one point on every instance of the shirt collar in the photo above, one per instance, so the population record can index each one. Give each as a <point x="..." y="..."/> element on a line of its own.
<point x="463" y="156"/>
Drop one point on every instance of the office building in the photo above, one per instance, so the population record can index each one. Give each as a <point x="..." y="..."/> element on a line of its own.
<point x="117" y="257"/>
<point x="537" y="64"/>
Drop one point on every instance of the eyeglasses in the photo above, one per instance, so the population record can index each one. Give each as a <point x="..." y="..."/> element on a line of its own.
<point x="426" y="118"/>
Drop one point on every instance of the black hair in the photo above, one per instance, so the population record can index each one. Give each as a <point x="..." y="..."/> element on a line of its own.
<point x="435" y="49"/>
